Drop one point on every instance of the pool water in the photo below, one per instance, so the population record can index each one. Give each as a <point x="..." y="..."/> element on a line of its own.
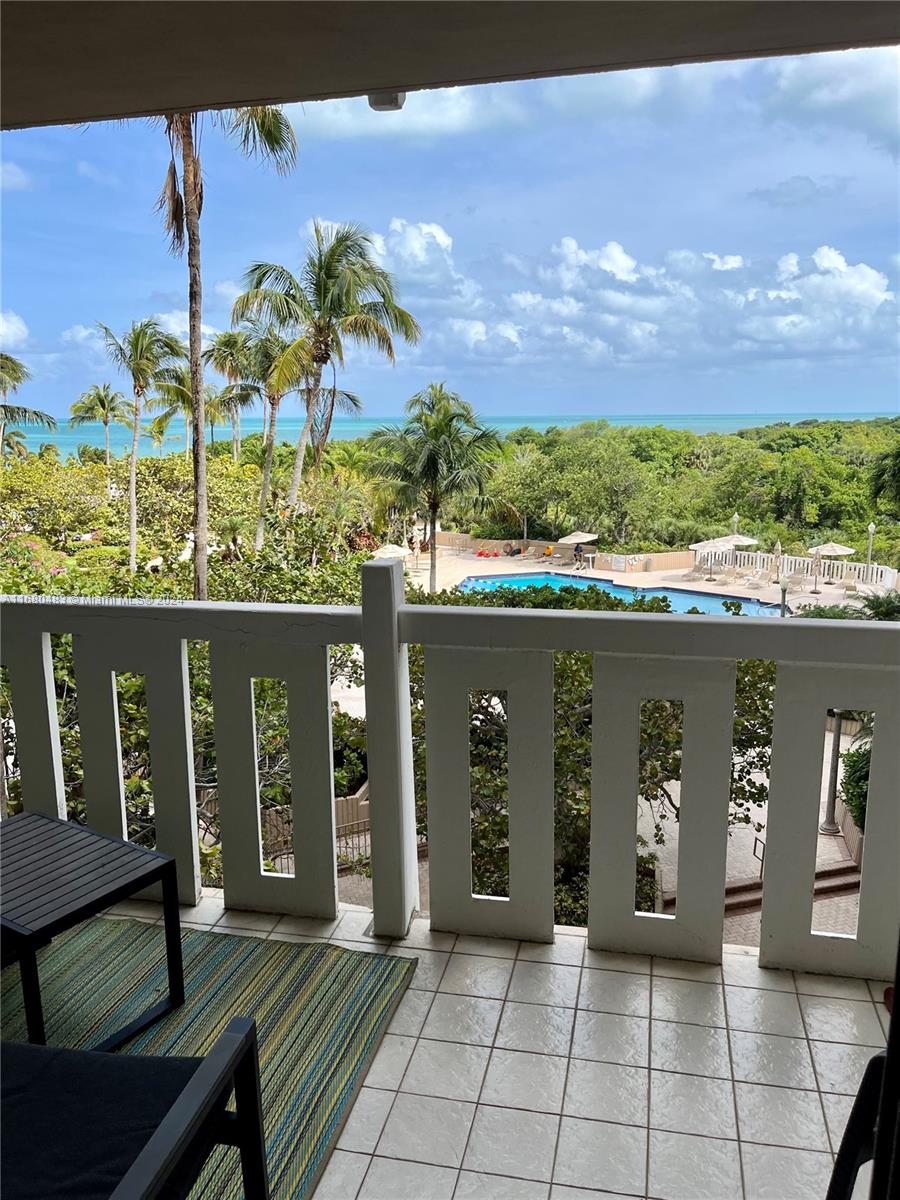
<point x="680" y="598"/>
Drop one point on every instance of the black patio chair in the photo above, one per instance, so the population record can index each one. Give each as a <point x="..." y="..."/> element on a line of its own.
<point x="872" y="1133"/>
<point x="86" y="1125"/>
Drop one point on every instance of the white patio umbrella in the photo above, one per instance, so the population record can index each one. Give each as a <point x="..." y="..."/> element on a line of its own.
<point x="572" y="539"/>
<point x="391" y="551"/>
<point x="827" y="550"/>
<point x="708" y="548"/>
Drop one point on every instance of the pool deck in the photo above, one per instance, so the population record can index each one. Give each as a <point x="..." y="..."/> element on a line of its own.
<point x="453" y="568"/>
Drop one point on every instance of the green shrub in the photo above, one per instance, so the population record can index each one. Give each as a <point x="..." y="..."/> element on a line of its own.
<point x="855" y="784"/>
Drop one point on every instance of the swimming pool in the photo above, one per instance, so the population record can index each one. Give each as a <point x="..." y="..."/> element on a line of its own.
<point x="680" y="598"/>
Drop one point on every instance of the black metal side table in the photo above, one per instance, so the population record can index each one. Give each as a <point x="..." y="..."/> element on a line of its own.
<point x="54" y="874"/>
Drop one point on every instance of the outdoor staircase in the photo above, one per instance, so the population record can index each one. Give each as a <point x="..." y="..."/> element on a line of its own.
<point x="745" y="895"/>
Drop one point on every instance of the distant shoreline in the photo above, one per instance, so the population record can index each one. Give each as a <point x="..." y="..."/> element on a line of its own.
<point x="347" y="428"/>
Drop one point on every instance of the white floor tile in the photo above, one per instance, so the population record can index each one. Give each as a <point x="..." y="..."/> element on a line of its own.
<point x="683" y="1167"/>
<point x="429" y="969"/>
<point x="446" y="1069"/>
<point x="411" y="1012"/>
<point x="600" y="1091"/>
<point x="852" y="1021"/>
<point x="516" y="1079"/>
<point x="840" y="1068"/>
<point x="765" y="1058"/>
<point x="563" y="949"/>
<point x="341" y="1178"/>
<point x="355" y="925"/>
<point x="389" y="1179"/>
<point x="366" y="1121"/>
<point x="771" y="1173"/>
<point x="426" y="1129"/>
<point x="695" y="1049"/>
<point x="613" y="1157"/>
<point x="743" y="971"/>
<point x="689" y="1001"/>
<point x="610" y="960"/>
<point x="235" y="918"/>
<point x="837" y="1112"/>
<point x="508" y="1140"/>
<point x="832" y="985"/>
<point x="692" y="1104"/>
<point x="559" y="1191"/>
<point x="470" y="1019"/>
<point x="390" y="1061"/>
<point x="476" y="975"/>
<point x="473" y="1185"/>
<point x="537" y="1027"/>
<point x="308" y="926"/>
<point x="611" y="1037"/>
<point x="615" y="992"/>
<point x="757" y="1011"/>
<point x="680" y="968"/>
<point x="780" y="1116"/>
<point x="421" y="934"/>
<point x="491" y="947"/>
<point x="544" y="983"/>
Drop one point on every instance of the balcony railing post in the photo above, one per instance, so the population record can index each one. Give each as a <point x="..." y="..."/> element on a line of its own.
<point x="392" y="810"/>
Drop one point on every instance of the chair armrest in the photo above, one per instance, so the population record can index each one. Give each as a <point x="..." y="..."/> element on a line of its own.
<point x="176" y="1139"/>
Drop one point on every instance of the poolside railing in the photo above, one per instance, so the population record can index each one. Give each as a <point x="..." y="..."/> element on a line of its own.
<point x="687" y="659"/>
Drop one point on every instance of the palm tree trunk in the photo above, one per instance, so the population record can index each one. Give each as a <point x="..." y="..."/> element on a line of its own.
<point x="267" y="474"/>
<point x="106" y="440"/>
<point x="187" y="435"/>
<point x="132" y="485"/>
<point x="432" y="550"/>
<point x="190" y="173"/>
<point x="326" y="429"/>
<point x="312" y="399"/>
<point x="236" y="435"/>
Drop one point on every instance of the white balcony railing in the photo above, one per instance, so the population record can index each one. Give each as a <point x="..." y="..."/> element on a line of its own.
<point x="820" y="665"/>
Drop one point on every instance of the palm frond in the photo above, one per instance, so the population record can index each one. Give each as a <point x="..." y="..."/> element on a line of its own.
<point x="263" y="131"/>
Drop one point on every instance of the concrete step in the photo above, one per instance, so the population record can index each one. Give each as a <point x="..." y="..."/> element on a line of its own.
<point x="745" y="895"/>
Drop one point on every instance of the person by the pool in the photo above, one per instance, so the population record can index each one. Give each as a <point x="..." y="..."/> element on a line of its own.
<point x="579" y="555"/>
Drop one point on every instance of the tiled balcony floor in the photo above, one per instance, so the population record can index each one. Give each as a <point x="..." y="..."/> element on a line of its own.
<point x="517" y="1071"/>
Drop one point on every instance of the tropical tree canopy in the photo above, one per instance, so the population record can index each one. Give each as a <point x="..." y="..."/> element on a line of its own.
<point x="342" y="294"/>
<point x="442" y="452"/>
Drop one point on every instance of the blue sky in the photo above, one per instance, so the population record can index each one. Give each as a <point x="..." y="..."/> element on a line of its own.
<point x="712" y="238"/>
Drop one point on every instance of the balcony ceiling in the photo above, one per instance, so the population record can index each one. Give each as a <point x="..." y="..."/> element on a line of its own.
<point x="66" y="61"/>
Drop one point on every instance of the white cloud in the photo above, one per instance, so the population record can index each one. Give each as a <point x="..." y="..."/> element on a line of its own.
<point x="413" y="241"/>
<point x="724" y="262"/>
<point x="611" y="258"/>
<point x="534" y="302"/>
<point x="506" y="329"/>
<point x="227" y="290"/>
<point x="96" y="174"/>
<point x="14" y="178"/>
<point x="470" y="332"/>
<point x="440" y="112"/>
<point x="177" y="322"/>
<point x="81" y="335"/>
<point x="13" y="331"/>
<point x="788" y="267"/>
<point x="858" y="90"/>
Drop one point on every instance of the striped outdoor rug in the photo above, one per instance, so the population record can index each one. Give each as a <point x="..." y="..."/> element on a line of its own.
<point x="320" y="1013"/>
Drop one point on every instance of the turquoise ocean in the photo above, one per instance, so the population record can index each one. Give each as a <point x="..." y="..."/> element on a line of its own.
<point x="346" y="428"/>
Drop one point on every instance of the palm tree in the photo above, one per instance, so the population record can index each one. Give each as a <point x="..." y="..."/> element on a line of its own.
<point x="13" y="444"/>
<point x="442" y="452"/>
<point x="101" y="403"/>
<point x="157" y="429"/>
<point x="330" y="400"/>
<point x="341" y="294"/>
<point x="173" y="397"/>
<point x="277" y="367"/>
<point x="145" y="353"/>
<point x="230" y="354"/>
<point x="13" y="374"/>
<point x="885" y="478"/>
<point x="261" y="131"/>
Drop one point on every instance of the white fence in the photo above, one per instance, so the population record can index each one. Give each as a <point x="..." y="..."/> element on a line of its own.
<point x="849" y="665"/>
<point x="837" y="570"/>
